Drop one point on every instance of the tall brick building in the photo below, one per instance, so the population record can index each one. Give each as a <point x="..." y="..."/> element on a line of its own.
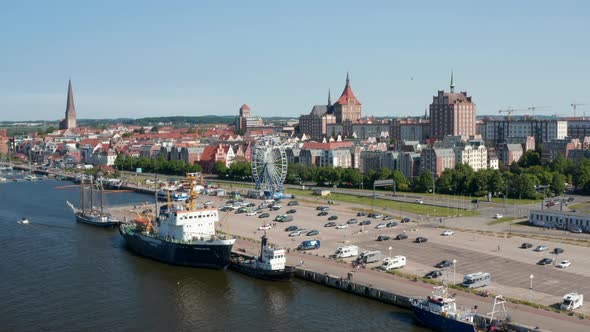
<point x="452" y="113"/>
<point x="347" y="107"/>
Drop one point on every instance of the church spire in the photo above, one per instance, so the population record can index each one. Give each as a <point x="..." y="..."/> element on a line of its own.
<point x="452" y="83"/>
<point x="70" y="109"/>
<point x="347" y="79"/>
<point x="329" y="98"/>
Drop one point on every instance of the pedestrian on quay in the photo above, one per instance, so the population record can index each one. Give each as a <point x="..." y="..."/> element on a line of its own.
<point x="498" y="247"/>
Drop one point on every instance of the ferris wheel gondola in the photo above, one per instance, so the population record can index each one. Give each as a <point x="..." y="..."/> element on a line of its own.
<point x="269" y="164"/>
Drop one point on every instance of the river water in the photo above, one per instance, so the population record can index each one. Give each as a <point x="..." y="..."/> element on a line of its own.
<point x="58" y="275"/>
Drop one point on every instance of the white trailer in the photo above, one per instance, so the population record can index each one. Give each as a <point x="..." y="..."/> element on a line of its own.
<point x="391" y="263"/>
<point x="346" y="251"/>
<point x="572" y="301"/>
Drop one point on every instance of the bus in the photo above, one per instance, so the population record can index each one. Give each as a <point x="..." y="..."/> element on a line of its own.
<point x="476" y="280"/>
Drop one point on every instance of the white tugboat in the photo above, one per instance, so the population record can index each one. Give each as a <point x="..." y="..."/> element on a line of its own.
<point x="270" y="265"/>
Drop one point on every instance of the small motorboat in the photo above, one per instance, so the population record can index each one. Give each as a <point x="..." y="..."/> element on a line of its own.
<point x="23" y="221"/>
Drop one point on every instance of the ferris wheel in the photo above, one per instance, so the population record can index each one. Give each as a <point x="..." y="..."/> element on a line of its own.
<point x="269" y="164"/>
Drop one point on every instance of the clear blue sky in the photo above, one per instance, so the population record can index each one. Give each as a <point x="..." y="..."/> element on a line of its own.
<point x="159" y="58"/>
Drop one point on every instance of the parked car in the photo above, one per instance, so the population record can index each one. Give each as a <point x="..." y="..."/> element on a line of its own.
<point x="333" y="218"/>
<point x="264" y="227"/>
<point x="443" y="264"/>
<point x="401" y="237"/>
<point x="361" y="214"/>
<point x="330" y="224"/>
<point x="419" y="201"/>
<point x="264" y="215"/>
<point x="323" y="213"/>
<point x="275" y="207"/>
<point x="371" y="215"/>
<point x="576" y="230"/>
<point x="313" y="233"/>
<point x="377" y="216"/>
<point x="352" y="221"/>
<point x="557" y="251"/>
<point x="526" y="245"/>
<point x="433" y="274"/>
<point x="342" y="226"/>
<point x="564" y="264"/>
<point x="421" y="239"/>
<point x="295" y="233"/>
<point x="391" y="224"/>
<point x="545" y="261"/>
<point x="541" y="248"/>
<point x="498" y="216"/>
<point x="292" y="211"/>
<point x="253" y="213"/>
<point x="381" y="225"/>
<point x="292" y="203"/>
<point x="323" y="208"/>
<point x="386" y="218"/>
<point x="405" y="220"/>
<point x="570" y="199"/>
<point x="365" y="222"/>
<point x="291" y="228"/>
<point x="383" y="238"/>
<point x="447" y="233"/>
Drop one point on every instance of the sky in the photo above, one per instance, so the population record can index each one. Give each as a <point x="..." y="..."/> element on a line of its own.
<point x="164" y="58"/>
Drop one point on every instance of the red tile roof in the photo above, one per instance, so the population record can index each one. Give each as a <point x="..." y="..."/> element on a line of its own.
<point x="326" y="146"/>
<point x="347" y="95"/>
<point x="245" y="107"/>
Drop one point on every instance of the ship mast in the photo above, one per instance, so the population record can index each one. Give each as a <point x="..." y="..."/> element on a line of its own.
<point x="262" y="245"/>
<point x="82" y="198"/>
<point x="101" y="193"/>
<point x="91" y="198"/>
<point x="155" y="196"/>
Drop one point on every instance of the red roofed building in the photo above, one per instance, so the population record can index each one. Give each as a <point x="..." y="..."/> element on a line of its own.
<point x="327" y="146"/>
<point x="347" y="107"/>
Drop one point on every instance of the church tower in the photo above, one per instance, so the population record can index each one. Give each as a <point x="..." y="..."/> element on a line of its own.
<point x="347" y="108"/>
<point x="70" y="121"/>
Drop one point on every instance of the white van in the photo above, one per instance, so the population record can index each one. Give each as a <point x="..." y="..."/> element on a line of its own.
<point x="391" y="263"/>
<point x="477" y="279"/>
<point x="347" y="251"/>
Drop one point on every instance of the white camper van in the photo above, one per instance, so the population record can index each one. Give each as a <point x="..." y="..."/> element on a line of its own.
<point x="572" y="301"/>
<point x="477" y="279"/>
<point x="391" y="263"/>
<point x="347" y="251"/>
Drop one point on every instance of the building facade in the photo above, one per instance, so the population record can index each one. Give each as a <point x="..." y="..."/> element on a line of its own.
<point x="347" y="107"/>
<point x="560" y="220"/>
<point x="452" y="113"/>
<point x="70" y="121"/>
<point x="499" y="131"/>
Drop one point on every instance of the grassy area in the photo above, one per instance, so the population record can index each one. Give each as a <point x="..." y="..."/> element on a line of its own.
<point x="581" y="207"/>
<point x="501" y="220"/>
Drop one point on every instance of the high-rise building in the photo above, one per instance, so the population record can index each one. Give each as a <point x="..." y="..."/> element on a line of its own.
<point x="246" y="120"/>
<point x="452" y="113"/>
<point x="347" y="107"/>
<point x="70" y="121"/>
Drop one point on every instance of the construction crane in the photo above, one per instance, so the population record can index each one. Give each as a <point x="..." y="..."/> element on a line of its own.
<point x="509" y="111"/>
<point x="533" y="108"/>
<point x="574" y="106"/>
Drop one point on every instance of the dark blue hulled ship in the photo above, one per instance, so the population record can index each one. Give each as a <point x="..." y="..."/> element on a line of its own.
<point x="181" y="235"/>
<point x="439" y="312"/>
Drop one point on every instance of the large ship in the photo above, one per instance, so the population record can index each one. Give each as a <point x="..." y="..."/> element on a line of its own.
<point x="181" y="235"/>
<point x="439" y="312"/>
<point x="270" y="265"/>
<point x="91" y="215"/>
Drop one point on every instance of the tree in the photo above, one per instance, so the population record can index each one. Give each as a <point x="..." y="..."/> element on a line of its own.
<point x="558" y="183"/>
<point x="400" y="180"/>
<point x="530" y="158"/>
<point x="154" y="129"/>
<point x="351" y="177"/>
<point x="49" y="130"/>
<point x="582" y="175"/>
<point x="220" y="169"/>
<point x="424" y="182"/>
<point x="445" y="181"/>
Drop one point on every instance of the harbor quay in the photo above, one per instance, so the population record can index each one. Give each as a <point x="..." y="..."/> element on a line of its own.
<point x="510" y="266"/>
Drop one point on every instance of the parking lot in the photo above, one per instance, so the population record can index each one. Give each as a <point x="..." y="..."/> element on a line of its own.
<point x="509" y="265"/>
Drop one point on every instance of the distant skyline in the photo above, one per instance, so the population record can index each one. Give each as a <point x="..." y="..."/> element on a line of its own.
<point x="140" y="58"/>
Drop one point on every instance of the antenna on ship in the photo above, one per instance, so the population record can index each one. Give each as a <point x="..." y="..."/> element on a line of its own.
<point x="262" y="245"/>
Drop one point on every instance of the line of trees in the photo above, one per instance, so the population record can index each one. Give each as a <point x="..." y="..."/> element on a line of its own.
<point x="239" y="170"/>
<point x="159" y="165"/>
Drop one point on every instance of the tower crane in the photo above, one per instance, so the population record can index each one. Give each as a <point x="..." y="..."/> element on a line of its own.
<point x="509" y="111"/>
<point x="533" y="108"/>
<point x="574" y="106"/>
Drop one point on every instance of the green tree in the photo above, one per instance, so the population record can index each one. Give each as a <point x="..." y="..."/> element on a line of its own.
<point x="400" y="180"/>
<point x="220" y="169"/>
<point x="424" y="182"/>
<point x="154" y="129"/>
<point x="558" y="183"/>
<point x="445" y="182"/>
<point x="582" y="175"/>
<point x="530" y="158"/>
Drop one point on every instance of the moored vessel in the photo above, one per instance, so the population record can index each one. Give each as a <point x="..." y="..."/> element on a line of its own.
<point x="270" y="265"/>
<point x="181" y="235"/>
<point x="91" y="215"/>
<point x="439" y="312"/>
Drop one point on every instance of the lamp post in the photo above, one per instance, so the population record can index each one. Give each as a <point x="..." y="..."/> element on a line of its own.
<point x="390" y="251"/>
<point x="454" y="267"/>
<point x="531" y="289"/>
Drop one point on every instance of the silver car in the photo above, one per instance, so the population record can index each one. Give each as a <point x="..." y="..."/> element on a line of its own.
<point x="541" y="248"/>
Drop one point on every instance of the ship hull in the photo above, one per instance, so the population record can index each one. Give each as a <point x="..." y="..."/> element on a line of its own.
<point x="276" y="275"/>
<point x="440" y="323"/>
<point x="212" y="256"/>
<point x="90" y="221"/>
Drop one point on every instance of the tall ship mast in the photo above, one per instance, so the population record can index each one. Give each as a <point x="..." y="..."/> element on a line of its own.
<point x="182" y="234"/>
<point x="92" y="216"/>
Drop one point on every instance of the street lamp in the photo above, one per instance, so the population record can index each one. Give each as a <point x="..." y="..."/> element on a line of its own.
<point x="531" y="289"/>
<point x="390" y="251"/>
<point x="454" y="264"/>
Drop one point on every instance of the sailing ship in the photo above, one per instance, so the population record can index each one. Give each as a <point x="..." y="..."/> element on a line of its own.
<point x="270" y="265"/>
<point x="90" y="215"/>
<point x="181" y="234"/>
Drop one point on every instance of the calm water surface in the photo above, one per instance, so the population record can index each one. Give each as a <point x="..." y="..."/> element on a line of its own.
<point x="57" y="275"/>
